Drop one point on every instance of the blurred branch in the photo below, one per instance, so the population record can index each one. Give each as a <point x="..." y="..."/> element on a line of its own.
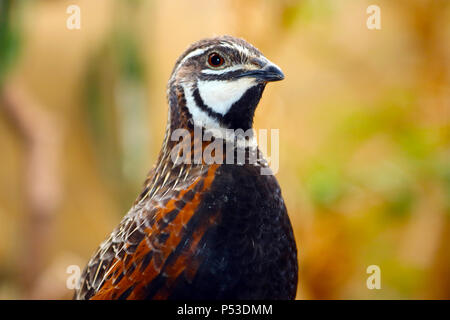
<point x="41" y="138"/>
<point x="116" y="104"/>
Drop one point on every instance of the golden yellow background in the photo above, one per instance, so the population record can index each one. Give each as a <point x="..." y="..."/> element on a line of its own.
<point x="364" y="118"/>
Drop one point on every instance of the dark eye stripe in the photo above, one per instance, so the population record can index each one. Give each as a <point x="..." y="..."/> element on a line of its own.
<point x="221" y="76"/>
<point x="233" y="54"/>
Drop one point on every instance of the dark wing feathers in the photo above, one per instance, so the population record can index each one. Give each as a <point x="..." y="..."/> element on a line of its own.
<point x="155" y="243"/>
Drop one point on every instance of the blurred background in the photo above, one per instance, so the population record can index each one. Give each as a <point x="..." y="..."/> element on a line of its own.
<point x="364" y="119"/>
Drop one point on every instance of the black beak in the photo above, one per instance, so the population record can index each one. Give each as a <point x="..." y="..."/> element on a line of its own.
<point x="268" y="73"/>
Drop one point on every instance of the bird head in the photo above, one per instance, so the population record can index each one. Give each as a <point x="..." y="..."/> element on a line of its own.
<point x="218" y="82"/>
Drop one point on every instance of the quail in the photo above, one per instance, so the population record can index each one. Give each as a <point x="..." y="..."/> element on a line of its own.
<point x="209" y="223"/>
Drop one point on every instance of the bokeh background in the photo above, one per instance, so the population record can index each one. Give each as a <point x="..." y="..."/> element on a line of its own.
<point x="364" y="119"/>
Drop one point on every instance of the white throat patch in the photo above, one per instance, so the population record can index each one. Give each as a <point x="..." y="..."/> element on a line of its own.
<point x="200" y="117"/>
<point x="220" y="95"/>
<point x="212" y="125"/>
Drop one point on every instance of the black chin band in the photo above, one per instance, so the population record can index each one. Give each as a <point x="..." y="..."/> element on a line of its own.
<point x="240" y="115"/>
<point x="199" y="102"/>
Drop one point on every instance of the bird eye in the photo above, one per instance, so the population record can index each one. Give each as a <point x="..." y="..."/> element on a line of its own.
<point x="215" y="60"/>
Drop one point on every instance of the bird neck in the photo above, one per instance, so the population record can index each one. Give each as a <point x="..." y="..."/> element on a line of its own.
<point x="188" y="107"/>
<point x="188" y="150"/>
<point x="224" y="142"/>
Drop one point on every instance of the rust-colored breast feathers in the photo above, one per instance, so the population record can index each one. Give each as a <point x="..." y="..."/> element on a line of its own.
<point x="151" y="243"/>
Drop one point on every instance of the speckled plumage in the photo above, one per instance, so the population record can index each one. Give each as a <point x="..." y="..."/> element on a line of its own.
<point x="199" y="230"/>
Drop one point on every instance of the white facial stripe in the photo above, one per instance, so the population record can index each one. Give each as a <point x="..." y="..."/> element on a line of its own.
<point x="194" y="53"/>
<point x="221" y="71"/>
<point x="221" y="95"/>
<point x="225" y="70"/>
<point x="238" y="47"/>
<point x="200" y="51"/>
<point x="200" y="117"/>
<point x="227" y="45"/>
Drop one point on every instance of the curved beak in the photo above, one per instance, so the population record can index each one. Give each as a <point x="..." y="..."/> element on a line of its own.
<point x="270" y="72"/>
